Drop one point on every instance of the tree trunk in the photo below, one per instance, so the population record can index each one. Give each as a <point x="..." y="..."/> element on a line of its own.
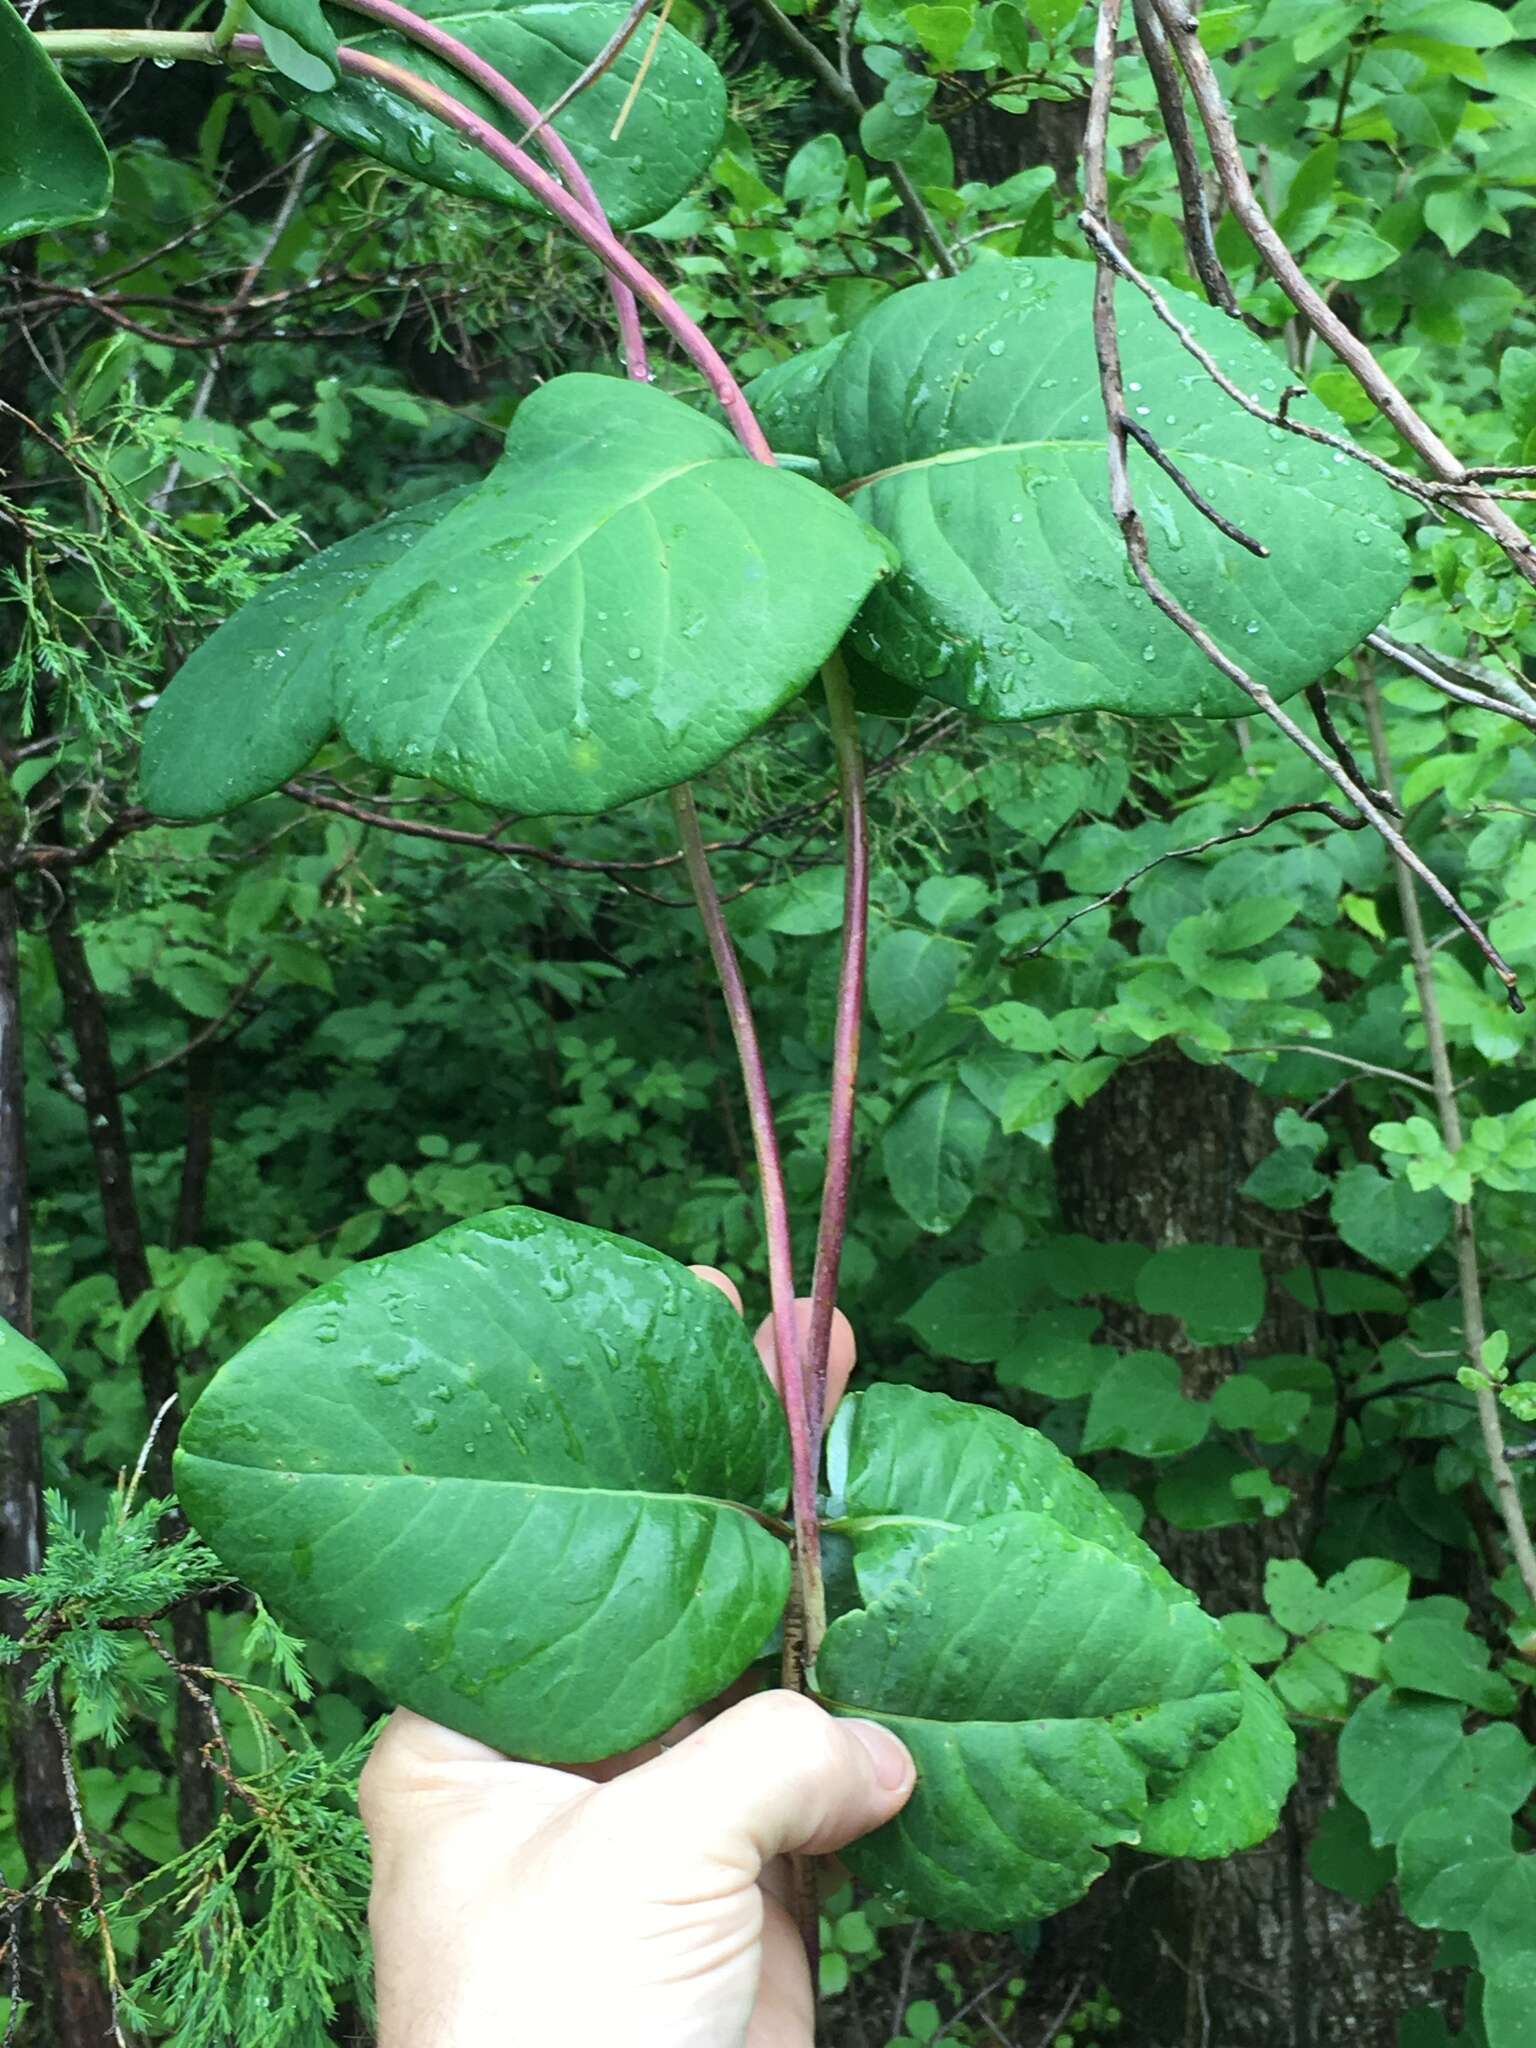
<point x="97" y="1073"/>
<point x="1250" y="1952"/>
<point x="68" y="1999"/>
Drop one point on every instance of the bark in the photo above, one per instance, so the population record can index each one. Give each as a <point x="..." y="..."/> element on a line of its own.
<point x="97" y="1074"/>
<point x="70" y="2004"/>
<point x="1251" y="1952"/>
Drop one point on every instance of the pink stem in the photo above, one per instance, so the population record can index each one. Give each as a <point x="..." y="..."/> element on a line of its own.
<point x="599" y="238"/>
<point x="428" y="36"/>
<point x="786" y="1332"/>
<point x="845" y="1052"/>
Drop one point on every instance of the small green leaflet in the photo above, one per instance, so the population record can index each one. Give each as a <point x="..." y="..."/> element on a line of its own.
<point x="299" y="41"/>
<point x="963" y="418"/>
<point x="497" y="1470"/>
<point x="624" y="600"/>
<point x="257" y="700"/>
<point x="54" y="167"/>
<point x="665" y="146"/>
<point x="24" y="1368"/>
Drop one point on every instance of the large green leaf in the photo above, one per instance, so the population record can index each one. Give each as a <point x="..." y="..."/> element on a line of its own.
<point x="963" y="418"/>
<point x="506" y="1476"/>
<point x="1046" y="1690"/>
<point x="787" y="397"/>
<point x="258" y="698"/>
<point x="24" y="1368"/>
<point x="54" y="167"/>
<point x="934" y="1148"/>
<point x="907" y="1469"/>
<point x="672" y="132"/>
<point x="1400" y="1756"/>
<point x="1458" y="1868"/>
<point x="624" y="599"/>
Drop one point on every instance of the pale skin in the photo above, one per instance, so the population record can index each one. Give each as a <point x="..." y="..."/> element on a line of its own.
<point x="635" y="1902"/>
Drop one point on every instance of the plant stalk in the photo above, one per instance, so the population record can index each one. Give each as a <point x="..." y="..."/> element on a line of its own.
<point x="786" y="1334"/>
<point x="833" y="1225"/>
<point x="1474" y="1322"/>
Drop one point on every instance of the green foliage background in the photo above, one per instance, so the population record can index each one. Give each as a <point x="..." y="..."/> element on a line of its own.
<point x="333" y="1037"/>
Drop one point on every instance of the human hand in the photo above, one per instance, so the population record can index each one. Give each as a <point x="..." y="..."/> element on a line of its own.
<point x="637" y="1902"/>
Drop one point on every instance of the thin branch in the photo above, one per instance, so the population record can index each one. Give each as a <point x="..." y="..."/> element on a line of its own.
<point x="1474" y="1329"/>
<point x="1149" y="442"/>
<point x="210" y="1031"/>
<point x="1474" y="503"/>
<point x="606" y="57"/>
<point x="1133" y="532"/>
<point x="833" y="1225"/>
<point x="1199" y="242"/>
<point x="1343" y="753"/>
<point x="641" y="69"/>
<point x="1417" y="664"/>
<point x="1332" y="812"/>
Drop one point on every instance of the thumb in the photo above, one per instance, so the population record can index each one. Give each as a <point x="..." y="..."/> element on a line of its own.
<point x="772" y="1776"/>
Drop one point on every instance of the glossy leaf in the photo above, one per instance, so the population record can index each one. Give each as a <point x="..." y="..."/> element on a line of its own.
<point x="1043" y="1686"/>
<point x="25" y="1369"/>
<point x="256" y="701"/>
<point x="54" y="167"/>
<point x="933" y="1148"/>
<point x="665" y="146"/>
<point x="787" y="397"/>
<point x="908" y="1469"/>
<point x="501" y="1472"/>
<point x="963" y="418"/>
<point x="624" y="599"/>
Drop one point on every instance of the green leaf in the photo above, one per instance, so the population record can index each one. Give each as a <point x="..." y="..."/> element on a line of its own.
<point x="911" y="974"/>
<point x="54" y="167"/>
<point x="1285" y="1180"/>
<point x="942" y="30"/>
<point x="785" y="398"/>
<point x="673" y="129"/>
<point x="1140" y="1406"/>
<point x="1401" y="1756"/>
<point x="299" y="41"/>
<point x="1517" y="389"/>
<point x="933" y="1151"/>
<point x="557" y="641"/>
<point x="495" y="1470"/>
<point x="1040" y="1684"/>
<point x="910" y="1468"/>
<point x="1216" y="1290"/>
<point x="1254" y="1637"/>
<point x="1387" y="1221"/>
<point x="1052" y="16"/>
<point x="976" y="1313"/>
<point x="256" y="701"/>
<point x="1342" y="1856"/>
<point x="1457" y="1868"/>
<point x="1429" y="1653"/>
<point x="963" y="418"/>
<point x="1229" y="1798"/>
<point x="25" y="1369"/>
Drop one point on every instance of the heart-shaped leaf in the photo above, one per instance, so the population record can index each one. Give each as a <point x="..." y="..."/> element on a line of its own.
<point x="1047" y="1691"/>
<point x="54" y="167"/>
<point x="510" y="1476"/>
<point x="25" y="1369"/>
<point x="624" y="599"/>
<point x="963" y="418"/>
<point x="258" y="698"/>
<point x="666" y="143"/>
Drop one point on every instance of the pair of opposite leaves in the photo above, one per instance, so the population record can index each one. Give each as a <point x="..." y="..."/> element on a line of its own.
<point x="627" y="596"/>
<point x="521" y="1475"/>
<point x="55" y="170"/>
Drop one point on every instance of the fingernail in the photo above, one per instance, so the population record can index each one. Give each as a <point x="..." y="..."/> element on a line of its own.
<point x="893" y="1763"/>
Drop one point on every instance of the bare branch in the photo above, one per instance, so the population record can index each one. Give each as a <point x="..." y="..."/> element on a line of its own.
<point x="1199" y="242"/>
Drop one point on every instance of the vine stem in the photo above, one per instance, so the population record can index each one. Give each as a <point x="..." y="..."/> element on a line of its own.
<point x="1474" y="1322"/>
<point x="792" y="1379"/>
<point x="833" y="1225"/>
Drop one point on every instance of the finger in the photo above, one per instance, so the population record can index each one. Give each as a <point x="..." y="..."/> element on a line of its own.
<point x="773" y="1776"/>
<point x="419" y="1771"/>
<point x="726" y="1285"/>
<point x="842" y="1353"/>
